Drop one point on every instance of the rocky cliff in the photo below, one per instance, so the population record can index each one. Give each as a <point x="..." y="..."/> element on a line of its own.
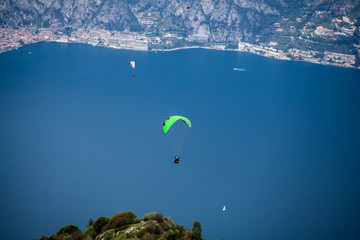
<point x="203" y="20"/>
<point x="107" y="14"/>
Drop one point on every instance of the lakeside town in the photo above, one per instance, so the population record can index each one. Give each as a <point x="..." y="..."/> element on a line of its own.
<point x="13" y="38"/>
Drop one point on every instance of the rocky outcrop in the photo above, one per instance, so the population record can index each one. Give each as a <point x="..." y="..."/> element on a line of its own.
<point x="219" y="21"/>
<point x="201" y="20"/>
<point x="105" y="14"/>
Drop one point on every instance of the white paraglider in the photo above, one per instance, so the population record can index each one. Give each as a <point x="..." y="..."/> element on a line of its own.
<point x="132" y="63"/>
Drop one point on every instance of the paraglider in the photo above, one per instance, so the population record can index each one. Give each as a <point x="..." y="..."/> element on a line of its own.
<point x="175" y="126"/>
<point x="132" y="63"/>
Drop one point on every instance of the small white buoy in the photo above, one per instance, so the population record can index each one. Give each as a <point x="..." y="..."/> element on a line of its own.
<point x="224" y="208"/>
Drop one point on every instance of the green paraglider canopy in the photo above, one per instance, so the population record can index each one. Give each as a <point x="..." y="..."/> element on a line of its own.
<point x="171" y="120"/>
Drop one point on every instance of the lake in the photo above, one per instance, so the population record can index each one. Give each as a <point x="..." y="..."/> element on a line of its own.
<point x="80" y="137"/>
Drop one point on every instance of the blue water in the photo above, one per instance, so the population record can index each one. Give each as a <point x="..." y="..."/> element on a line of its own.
<point x="278" y="144"/>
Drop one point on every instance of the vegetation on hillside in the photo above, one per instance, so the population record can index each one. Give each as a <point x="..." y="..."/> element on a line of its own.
<point x="125" y="225"/>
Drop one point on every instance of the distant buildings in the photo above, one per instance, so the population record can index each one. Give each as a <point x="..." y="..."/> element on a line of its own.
<point x="321" y="31"/>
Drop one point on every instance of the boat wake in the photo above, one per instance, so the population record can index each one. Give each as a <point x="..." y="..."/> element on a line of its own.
<point x="239" y="69"/>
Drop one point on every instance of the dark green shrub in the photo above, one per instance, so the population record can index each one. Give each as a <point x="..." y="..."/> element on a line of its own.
<point x="92" y="234"/>
<point x="121" y="228"/>
<point x="153" y="228"/>
<point x="89" y="231"/>
<point x="148" y="236"/>
<point x="181" y="230"/>
<point x="77" y="236"/>
<point x="122" y="218"/>
<point x="141" y="233"/>
<point x="43" y="237"/>
<point x="154" y="216"/>
<point x="69" y="229"/>
<point x="73" y="236"/>
<point x="100" y="223"/>
<point x="105" y="228"/>
<point x="119" y="222"/>
<point x="159" y="218"/>
<point x="149" y="216"/>
<point x="170" y="235"/>
<point x="166" y="225"/>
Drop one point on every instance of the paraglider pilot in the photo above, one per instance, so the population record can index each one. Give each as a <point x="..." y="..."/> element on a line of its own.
<point x="177" y="159"/>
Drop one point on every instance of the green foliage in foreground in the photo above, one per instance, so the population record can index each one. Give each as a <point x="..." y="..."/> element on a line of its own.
<point x="100" y="223"/>
<point x="124" y="225"/>
<point x="196" y="231"/>
<point x="69" y="229"/>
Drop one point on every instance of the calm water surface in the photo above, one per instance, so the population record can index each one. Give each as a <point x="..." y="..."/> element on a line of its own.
<point x="278" y="144"/>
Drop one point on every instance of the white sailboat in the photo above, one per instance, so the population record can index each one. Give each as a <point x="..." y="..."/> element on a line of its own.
<point x="224" y="208"/>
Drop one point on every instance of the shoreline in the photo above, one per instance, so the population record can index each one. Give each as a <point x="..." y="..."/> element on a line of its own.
<point x="190" y="47"/>
<point x="13" y="38"/>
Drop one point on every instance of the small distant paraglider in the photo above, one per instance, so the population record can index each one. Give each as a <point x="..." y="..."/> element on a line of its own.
<point x="132" y="63"/>
<point x="224" y="208"/>
<point x="188" y="8"/>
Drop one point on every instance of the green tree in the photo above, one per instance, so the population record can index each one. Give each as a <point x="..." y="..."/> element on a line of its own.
<point x="100" y="223"/>
<point x="69" y="229"/>
<point x="196" y="231"/>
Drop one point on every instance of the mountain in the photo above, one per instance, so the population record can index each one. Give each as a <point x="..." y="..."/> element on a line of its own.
<point x="207" y="20"/>
<point x="82" y="13"/>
